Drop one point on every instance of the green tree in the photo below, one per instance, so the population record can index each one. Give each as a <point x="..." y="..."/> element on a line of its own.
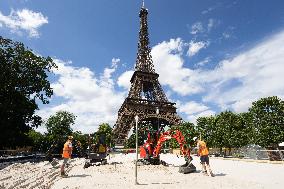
<point x="268" y="121"/>
<point x="80" y="143"/>
<point x="231" y="129"/>
<point x="106" y="130"/>
<point x="188" y="131"/>
<point x="205" y="127"/>
<point x="58" y="129"/>
<point x="131" y="141"/>
<point x="37" y="140"/>
<point x="246" y="131"/>
<point x="23" y="84"/>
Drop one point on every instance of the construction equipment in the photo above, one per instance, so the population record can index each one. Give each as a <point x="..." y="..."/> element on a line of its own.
<point x="151" y="154"/>
<point x="97" y="152"/>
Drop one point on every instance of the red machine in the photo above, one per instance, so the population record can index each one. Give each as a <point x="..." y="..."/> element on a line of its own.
<point x="150" y="153"/>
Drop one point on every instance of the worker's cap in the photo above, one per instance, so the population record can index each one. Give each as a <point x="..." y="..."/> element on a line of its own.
<point x="194" y="138"/>
<point x="70" y="137"/>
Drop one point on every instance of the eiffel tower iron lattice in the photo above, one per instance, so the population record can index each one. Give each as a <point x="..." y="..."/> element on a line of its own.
<point x="145" y="94"/>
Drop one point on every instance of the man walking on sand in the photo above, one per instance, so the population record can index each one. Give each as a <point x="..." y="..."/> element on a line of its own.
<point x="204" y="158"/>
<point x="67" y="151"/>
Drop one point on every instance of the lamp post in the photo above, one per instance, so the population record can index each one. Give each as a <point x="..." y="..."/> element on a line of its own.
<point x="136" y="120"/>
<point x="157" y="112"/>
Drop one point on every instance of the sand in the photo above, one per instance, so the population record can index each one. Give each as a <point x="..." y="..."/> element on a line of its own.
<point x="119" y="173"/>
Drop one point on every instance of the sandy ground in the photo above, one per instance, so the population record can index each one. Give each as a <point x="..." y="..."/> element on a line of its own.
<point x="229" y="174"/>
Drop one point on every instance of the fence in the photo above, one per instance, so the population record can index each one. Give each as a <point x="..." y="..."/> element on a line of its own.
<point x="249" y="153"/>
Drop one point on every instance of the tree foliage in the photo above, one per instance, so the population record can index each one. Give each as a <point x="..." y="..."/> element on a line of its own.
<point x="80" y="142"/>
<point x="263" y="124"/>
<point x="267" y="116"/>
<point x="37" y="140"/>
<point x="23" y="84"/>
<point x="131" y="142"/>
<point x="206" y="129"/>
<point x="188" y="131"/>
<point x="106" y="130"/>
<point x="59" y="126"/>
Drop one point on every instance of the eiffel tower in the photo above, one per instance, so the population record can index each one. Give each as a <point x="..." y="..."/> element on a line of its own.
<point x="146" y="97"/>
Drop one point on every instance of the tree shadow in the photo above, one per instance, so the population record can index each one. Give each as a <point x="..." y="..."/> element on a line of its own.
<point x="83" y="175"/>
<point x="220" y="174"/>
<point x="162" y="183"/>
<point x="155" y="183"/>
<point x="217" y="175"/>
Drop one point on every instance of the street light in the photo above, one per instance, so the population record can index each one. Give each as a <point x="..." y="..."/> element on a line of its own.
<point x="157" y="112"/>
<point x="136" y="120"/>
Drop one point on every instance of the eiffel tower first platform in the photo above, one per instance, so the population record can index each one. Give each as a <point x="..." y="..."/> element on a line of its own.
<point x="146" y="97"/>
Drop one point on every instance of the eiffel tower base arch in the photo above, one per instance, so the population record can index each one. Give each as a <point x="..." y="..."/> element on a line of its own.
<point x="146" y="113"/>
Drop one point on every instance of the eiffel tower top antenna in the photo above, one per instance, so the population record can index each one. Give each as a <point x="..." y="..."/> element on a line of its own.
<point x="144" y="60"/>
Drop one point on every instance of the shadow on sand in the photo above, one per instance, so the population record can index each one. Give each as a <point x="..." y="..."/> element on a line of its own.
<point x="83" y="175"/>
<point x="155" y="183"/>
<point x="216" y="175"/>
<point x="219" y="174"/>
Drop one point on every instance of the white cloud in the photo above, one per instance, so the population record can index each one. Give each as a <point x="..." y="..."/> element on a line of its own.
<point x="206" y="113"/>
<point x="24" y="19"/>
<point x="204" y="62"/>
<point x="197" y="28"/>
<point x="195" y="47"/>
<point x="124" y="79"/>
<point x="92" y="100"/>
<point x="211" y="24"/>
<point x="106" y="80"/>
<point x="234" y="83"/>
<point x="167" y="57"/>
<point x="193" y="110"/>
<point x="208" y="10"/>
<point x="226" y="35"/>
<point x="251" y="75"/>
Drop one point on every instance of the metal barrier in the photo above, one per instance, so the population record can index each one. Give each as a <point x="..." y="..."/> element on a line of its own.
<point x="250" y="153"/>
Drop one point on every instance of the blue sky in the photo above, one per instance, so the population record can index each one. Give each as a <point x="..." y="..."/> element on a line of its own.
<point x="211" y="55"/>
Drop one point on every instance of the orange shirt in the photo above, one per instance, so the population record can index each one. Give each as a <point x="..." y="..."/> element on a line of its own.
<point x="202" y="149"/>
<point x="67" y="150"/>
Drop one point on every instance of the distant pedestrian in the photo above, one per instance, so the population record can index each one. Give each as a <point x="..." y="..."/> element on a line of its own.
<point x="67" y="152"/>
<point x="79" y="148"/>
<point x="204" y="158"/>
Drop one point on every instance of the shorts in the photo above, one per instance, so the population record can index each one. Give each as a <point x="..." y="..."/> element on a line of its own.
<point x="65" y="160"/>
<point x="204" y="159"/>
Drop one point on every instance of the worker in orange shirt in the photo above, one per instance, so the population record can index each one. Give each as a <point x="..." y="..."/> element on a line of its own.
<point x="67" y="151"/>
<point x="204" y="158"/>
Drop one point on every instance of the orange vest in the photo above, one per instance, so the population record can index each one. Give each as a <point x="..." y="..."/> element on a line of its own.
<point x="67" y="150"/>
<point x="202" y="150"/>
